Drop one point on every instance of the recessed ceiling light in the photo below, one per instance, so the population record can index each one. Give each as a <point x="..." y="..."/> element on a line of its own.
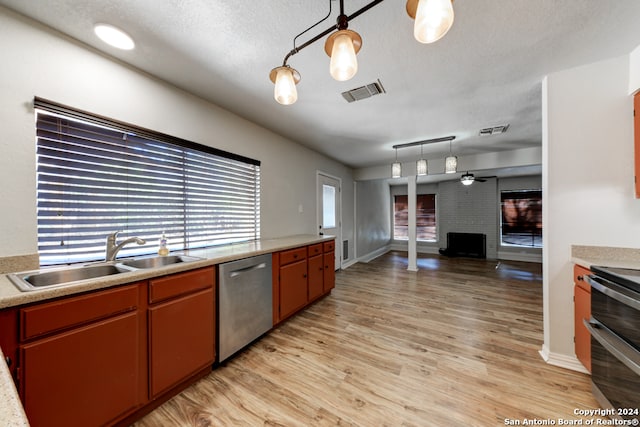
<point x="114" y="36"/>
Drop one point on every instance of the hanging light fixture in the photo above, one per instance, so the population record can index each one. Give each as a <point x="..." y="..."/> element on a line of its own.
<point x="451" y="162"/>
<point x="343" y="45"/>
<point x="467" y="179"/>
<point x="396" y="168"/>
<point x="285" y="79"/>
<point x="433" y="18"/>
<point x="421" y="165"/>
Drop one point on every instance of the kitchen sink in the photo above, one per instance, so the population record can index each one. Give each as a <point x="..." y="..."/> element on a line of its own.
<point x="32" y="280"/>
<point x="157" y="261"/>
<point x="44" y="279"/>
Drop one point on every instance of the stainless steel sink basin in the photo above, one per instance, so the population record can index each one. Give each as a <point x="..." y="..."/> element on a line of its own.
<point x="157" y="261"/>
<point x="44" y="279"/>
<point x="32" y="280"/>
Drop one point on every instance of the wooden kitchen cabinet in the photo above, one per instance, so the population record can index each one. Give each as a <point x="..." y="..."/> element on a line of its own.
<point x="329" y="257"/>
<point x="181" y="328"/>
<point x="316" y="276"/>
<point x="636" y="131"/>
<point x="301" y="276"/>
<point x="79" y="358"/>
<point x="293" y="284"/>
<point x="582" y="310"/>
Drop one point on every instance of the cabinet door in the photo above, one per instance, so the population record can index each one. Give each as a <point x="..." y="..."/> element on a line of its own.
<point x="329" y="271"/>
<point x="84" y="377"/>
<point x="181" y="339"/>
<point x="636" y="127"/>
<point x="293" y="288"/>
<point x="582" y="301"/>
<point x="582" y="310"/>
<point x="316" y="276"/>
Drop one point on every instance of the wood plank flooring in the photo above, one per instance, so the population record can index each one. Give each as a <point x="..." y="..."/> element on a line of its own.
<point x="455" y="344"/>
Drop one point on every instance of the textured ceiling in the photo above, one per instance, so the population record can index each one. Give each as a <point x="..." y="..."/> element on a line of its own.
<point x="486" y="71"/>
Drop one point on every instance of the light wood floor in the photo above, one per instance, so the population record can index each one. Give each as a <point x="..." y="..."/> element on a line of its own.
<point x="455" y="344"/>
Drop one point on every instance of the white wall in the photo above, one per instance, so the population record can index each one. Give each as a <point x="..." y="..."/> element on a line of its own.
<point x="37" y="61"/>
<point x="588" y="196"/>
<point x="373" y="217"/>
<point x="634" y="71"/>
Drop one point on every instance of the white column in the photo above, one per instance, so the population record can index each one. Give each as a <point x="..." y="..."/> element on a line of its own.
<point x="412" y="247"/>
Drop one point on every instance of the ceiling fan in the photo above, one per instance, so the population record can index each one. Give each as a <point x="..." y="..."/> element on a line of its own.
<point x="469" y="178"/>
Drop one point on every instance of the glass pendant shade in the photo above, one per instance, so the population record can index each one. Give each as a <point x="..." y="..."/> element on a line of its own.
<point x="285" y="79"/>
<point x="396" y="170"/>
<point x="342" y="46"/>
<point x="450" y="164"/>
<point x="433" y="18"/>
<point x="421" y="167"/>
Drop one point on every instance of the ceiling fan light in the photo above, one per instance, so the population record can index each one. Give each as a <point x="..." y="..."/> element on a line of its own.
<point x="396" y="170"/>
<point x="451" y="164"/>
<point x="285" y="79"/>
<point x="342" y="46"/>
<point x="433" y="18"/>
<point x="421" y="167"/>
<point x="467" y="179"/>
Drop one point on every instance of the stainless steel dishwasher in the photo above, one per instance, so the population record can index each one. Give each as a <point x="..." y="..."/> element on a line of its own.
<point x="244" y="303"/>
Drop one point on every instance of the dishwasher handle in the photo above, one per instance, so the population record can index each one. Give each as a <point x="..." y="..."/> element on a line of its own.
<point x="244" y="270"/>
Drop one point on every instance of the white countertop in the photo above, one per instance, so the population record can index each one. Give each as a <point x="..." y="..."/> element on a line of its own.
<point x="606" y="256"/>
<point x="11" y="411"/>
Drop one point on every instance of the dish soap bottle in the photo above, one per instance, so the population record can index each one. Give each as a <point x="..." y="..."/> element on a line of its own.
<point x="162" y="249"/>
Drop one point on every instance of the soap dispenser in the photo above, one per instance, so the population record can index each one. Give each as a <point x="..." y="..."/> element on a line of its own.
<point x="163" y="250"/>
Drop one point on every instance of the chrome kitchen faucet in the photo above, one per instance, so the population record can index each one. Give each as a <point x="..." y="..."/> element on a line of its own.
<point x="112" y="248"/>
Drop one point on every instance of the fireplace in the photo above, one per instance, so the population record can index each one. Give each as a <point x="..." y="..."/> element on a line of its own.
<point x="473" y="245"/>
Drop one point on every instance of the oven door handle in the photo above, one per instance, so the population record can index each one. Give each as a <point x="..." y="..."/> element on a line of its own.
<point x="615" y="294"/>
<point x="614" y="344"/>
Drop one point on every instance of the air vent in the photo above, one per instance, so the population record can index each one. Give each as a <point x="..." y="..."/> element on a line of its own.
<point x="364" y="92"/>
<point x="494" y="130"/>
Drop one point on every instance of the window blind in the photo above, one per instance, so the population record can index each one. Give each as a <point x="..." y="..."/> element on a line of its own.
<point x="95" y="177"/>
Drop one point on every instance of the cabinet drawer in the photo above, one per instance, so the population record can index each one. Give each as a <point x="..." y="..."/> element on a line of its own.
<point x="292" y="255"/>
<point x="50" y="317"/>
<point x="578" y="273"/>
<point x="315" y="249"/>
<point x="329" y="246"/>
<point x="179" y="284"/>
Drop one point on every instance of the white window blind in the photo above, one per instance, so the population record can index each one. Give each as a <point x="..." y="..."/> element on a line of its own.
<point x="97" y="176"/>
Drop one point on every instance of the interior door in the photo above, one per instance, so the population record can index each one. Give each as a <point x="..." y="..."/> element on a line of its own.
<point x="329" y="211"/>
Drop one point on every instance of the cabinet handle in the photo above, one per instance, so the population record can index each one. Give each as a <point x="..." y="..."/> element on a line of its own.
<point x="304" y="275"/>
<point x="580" y="278"/>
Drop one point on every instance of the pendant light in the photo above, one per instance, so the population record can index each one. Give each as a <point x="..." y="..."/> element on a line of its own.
<point x="433" y="18"/>
<point x="451" y="162"/>
<point x="285" y="79"/>
<point x="396" y="168"/>
<point x="342" y="47"/>
<point x="421" y="165"/>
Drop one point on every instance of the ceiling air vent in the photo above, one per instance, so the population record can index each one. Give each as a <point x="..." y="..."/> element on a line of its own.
<point x="494" y="130"/>
<point x="364" y="92"/>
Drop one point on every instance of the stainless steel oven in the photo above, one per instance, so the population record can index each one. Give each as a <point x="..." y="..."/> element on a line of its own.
<point x="615" y="340"/>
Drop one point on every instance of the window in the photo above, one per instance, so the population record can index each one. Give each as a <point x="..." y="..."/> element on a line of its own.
<point x="521" y="218"/>
<point x="425" y="217"/>
<point x="96" y="176"/>
<point x="328" y="206"/>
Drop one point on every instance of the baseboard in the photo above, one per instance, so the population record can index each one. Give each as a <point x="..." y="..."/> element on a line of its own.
<point x="375" y="254"/>
<point x="519" y="256"/>
<point x="562" y="360"/>
<point x="348" y="264"/>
